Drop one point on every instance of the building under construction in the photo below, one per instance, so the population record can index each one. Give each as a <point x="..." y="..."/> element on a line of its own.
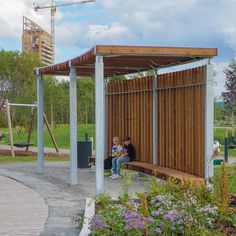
<point x="35" y="39"/>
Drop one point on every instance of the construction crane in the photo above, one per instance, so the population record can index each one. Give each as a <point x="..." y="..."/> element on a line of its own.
<point x="53" y="8"/>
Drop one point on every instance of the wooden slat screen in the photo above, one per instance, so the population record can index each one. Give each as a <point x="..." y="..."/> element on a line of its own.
<point x="180" y="118"/>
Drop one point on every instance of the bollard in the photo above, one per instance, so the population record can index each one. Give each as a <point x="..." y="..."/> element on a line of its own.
<point x="226" y="150"/>
<point x="86" y="137"/>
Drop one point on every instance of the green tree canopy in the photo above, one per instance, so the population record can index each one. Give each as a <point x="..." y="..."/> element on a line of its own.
<point x="230" y="85"/>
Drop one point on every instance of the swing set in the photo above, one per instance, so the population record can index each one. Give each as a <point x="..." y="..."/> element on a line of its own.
<point x="5" y="106"/>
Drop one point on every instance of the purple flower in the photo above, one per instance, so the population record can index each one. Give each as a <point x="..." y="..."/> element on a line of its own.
<point x="135" y="204"/>
<point x="208" y="209"/>
<point x="135" y="220"/>
<point x="157" y="230"/>
<point x="156" y="213"/>
<point x="172" y="216"/>
<point x="151" y="220"/>
<point x="96" y="222"/>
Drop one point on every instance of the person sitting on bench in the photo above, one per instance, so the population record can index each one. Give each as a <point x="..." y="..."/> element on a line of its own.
<point x="116" y="152"/>
<point x="127" y="156"/>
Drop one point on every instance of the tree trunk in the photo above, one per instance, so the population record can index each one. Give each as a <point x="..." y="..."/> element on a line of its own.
<point x="232" y="123"/>
<point x="86" y="117"/>
<point x="62" y="120"/>
<point x="52" y="118"/>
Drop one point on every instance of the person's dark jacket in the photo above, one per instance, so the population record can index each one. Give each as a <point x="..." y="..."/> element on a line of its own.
<point x="131" y="151"/>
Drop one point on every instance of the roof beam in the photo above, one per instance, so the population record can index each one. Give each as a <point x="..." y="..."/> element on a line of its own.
<point x="144" y="50"/>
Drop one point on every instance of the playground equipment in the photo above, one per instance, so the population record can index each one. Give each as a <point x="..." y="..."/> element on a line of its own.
<point x="1" y="135"/>
<point x="24" y="144"/>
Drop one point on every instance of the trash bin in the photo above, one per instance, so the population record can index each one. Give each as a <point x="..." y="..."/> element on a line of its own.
<point x="84" y="150"/>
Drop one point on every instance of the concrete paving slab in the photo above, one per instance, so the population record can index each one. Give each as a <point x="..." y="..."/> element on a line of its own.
<point x="64" y="200"/>
<point x="22" y="210"/>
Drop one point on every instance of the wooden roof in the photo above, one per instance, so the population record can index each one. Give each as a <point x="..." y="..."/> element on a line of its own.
<point x="120" y="60"/>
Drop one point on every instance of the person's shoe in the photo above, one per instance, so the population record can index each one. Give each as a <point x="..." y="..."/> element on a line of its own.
<point x="112" y="176"/>
<point x="116" y="176"/>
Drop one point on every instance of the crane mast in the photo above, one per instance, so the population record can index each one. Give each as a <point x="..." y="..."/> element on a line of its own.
<point x="53" y="8"/>
<point x="53" y="12"/>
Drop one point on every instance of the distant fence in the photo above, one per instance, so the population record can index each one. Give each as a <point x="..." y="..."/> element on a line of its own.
<point x="180" y="118"/>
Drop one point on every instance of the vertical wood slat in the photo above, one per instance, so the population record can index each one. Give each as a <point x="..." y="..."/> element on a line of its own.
<point x="151" y="118"/>
<point x="187" y="119"/>
<point x="172" y="137"/>
<point x="180" y="116"/>
<point x="177" y="122"/>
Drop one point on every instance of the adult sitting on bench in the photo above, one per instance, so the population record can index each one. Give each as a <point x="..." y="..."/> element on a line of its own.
<point x="127" y="156"/>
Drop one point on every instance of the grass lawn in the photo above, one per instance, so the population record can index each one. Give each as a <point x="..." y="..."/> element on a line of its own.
<point x="61" y="134"/>
<point x="220" y="134"/>
<point x="231" y="172"/>
<point x="9" y="159"/>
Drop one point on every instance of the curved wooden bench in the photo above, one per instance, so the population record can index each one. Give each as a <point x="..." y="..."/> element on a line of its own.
<point x="162" y="172"/>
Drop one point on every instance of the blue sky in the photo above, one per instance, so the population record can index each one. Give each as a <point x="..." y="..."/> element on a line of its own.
<point x="191" y="23"/>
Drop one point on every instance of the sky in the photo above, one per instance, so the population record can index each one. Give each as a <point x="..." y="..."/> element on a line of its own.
<point x="183" y="23"/>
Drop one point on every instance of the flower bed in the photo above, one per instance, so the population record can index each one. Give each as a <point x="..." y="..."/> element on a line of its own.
<point x="166" y="209"/>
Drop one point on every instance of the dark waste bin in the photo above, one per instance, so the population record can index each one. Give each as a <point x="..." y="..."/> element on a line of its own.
<point x="84" y="150"/>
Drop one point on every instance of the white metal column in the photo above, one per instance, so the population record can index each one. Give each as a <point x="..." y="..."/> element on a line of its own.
<point x="40" y="123"/>
<point x="10" y="127"/>
<point x="154" y="119"/>
<point x="106" y="118"/>
<point x="100" y="123"/>
<point x="209" y="119"/>
<point x="73" y="127"/>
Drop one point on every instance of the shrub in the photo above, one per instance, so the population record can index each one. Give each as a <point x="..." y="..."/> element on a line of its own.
<point x="166" y="209"/>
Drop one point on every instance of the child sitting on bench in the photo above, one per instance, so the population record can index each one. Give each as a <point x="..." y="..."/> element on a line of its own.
<point x="116" y="152"/>
<point x="127" y="156"/>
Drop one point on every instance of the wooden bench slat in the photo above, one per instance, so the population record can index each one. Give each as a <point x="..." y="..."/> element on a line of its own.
<point x="162" y="172"/>
<point x="159" y="171"/>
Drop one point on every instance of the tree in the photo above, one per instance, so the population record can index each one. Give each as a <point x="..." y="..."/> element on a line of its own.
<point x="117" y="78"/>
<point x="219" y="111"/>
<point x="86" y="100"/>
<point x="230" y="85"/>
<point x="17" y="80"/>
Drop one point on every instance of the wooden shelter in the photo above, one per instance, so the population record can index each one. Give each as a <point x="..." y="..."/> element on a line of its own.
<point x="169" y="117"/>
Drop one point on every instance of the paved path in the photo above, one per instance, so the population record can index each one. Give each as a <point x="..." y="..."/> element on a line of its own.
<point x="63" y="200"/>
<point x="22" y="210"/>
<point x="35" y="149"/>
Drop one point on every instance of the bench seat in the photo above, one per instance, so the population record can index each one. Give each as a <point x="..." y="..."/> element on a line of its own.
<point x="162" y="172"/>
<point x="158" y="171"/>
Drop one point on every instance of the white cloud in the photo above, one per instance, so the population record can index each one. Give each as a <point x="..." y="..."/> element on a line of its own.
<point x="82" y="36"/>
<point x="12" y="12"/>
<point x="197" y="23"/>
<point x="219" y="77"/>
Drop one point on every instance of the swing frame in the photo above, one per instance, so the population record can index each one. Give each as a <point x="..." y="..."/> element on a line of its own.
<point x="7" y="105"/>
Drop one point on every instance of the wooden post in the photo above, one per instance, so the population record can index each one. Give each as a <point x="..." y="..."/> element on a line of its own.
<point x="50" y="132"/>
<point x="10" y="128"/>
<point x="31" y="127"/>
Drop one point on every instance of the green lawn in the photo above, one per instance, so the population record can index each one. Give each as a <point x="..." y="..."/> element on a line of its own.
<point x="220" y="134"/>
<point x="9" y="159"/>
<point x="61" y="133"/>
<point x="62" y="136"/>
<point x="231" y="172"/>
